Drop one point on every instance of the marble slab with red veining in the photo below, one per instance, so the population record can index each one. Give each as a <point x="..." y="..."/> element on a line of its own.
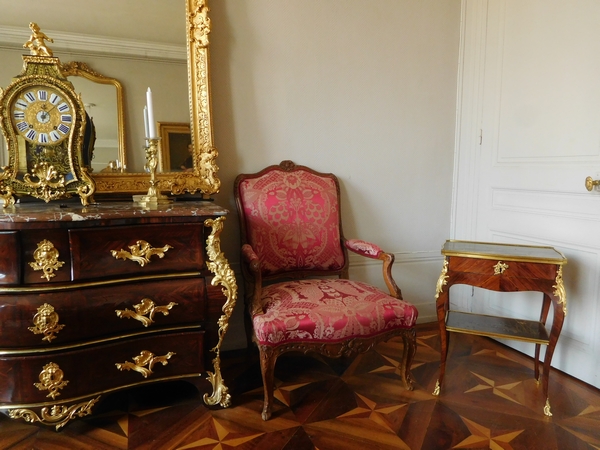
<point x="57" y="211"/>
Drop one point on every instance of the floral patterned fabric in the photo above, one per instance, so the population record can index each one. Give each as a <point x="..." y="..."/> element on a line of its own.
<point x="328" y="310"/>
<point x="292" y="221"/>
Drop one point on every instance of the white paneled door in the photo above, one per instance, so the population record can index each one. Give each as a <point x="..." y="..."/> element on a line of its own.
<point x="528" y="135"/>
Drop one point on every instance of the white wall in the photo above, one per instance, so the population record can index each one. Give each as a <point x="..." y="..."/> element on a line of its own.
<point x="364" y="90"/>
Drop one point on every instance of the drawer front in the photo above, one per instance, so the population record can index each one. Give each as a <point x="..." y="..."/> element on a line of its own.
<point x="34" y="379"/>
<point x="59" y="318"/>
<point x="10" y="251"/>
<point x="501" y="268"/>
<point x="136" y="250"/>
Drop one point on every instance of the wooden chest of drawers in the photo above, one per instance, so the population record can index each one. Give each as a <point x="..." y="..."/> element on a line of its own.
<point x="102" y="298"/>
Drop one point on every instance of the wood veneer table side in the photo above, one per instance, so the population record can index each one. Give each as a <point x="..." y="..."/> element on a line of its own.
<point x="531" y="268"/>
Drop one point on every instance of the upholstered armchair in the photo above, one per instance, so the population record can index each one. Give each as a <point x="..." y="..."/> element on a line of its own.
<point x="295" y="268"/>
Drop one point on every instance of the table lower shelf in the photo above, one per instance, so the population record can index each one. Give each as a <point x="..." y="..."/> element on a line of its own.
<point x="497" y="327"/>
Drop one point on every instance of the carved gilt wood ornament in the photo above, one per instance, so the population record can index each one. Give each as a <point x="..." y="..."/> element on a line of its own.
<point x="43" y="120"/>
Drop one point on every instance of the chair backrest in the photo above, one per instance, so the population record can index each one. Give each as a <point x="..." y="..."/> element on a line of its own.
<point x="290" y="215"/>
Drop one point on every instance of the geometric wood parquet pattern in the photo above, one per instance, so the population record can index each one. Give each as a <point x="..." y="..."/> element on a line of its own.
<point x="489" y="400"/>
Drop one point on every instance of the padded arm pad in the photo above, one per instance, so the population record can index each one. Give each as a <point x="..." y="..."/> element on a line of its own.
<point x="248" y="253"/>
<point x="363" y="248"/>
<point x="251" y="258"/>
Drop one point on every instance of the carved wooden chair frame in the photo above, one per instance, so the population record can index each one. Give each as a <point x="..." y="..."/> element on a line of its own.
<point x="254" y="281"/>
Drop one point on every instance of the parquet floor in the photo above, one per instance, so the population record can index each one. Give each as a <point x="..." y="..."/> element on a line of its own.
<point x="489" y="401"/>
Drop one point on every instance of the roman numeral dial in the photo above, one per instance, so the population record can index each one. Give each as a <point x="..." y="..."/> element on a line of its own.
<point x="42" y="115"/>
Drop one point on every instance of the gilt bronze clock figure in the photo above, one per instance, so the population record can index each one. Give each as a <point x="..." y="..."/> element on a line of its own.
<point x="43" y="120"/>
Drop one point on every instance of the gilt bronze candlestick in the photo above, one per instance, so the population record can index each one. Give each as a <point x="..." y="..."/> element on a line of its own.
<point x="154" y="196"/>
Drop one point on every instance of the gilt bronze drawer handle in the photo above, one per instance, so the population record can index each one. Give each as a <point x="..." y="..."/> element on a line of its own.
<point x="146" y="307"/>
<point x="145" y="358"/>
<point x="46" y="259"/>
<point x="51" y="379"/>
<point x="140" y="252"/>
<point x="45" y="322"/>
<point x="500" y="268"/>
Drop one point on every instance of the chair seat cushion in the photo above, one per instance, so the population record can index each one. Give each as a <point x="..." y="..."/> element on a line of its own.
<point x="328" y="310"/>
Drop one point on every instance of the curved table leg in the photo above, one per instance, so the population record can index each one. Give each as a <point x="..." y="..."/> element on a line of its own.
<point x="543" y="316"/>
<point x="442" y="302"/>
<point x="559" y="303"/>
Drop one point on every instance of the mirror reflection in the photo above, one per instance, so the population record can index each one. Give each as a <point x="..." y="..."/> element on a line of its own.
<point x="114" y="44"/>
<point x="103" y="101"/>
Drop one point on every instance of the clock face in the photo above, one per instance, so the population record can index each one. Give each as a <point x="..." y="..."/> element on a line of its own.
<point x="42" y="115"/>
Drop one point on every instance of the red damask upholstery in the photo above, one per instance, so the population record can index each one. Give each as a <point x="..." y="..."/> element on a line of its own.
<point x="292" y="221"/>
<point x="327" y="311"/>
<point x="291" y="229"/>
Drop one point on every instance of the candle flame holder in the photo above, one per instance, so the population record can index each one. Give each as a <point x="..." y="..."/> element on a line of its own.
<point x="154" y="196"/>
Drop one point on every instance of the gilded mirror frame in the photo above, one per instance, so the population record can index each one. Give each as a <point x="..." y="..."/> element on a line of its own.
<point x="81" y="69"/>
<point x="204" y="178"/>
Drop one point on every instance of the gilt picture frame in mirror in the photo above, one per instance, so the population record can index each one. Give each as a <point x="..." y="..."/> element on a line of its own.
<point x="112" y="93"/>
<point x="175" y="147"/>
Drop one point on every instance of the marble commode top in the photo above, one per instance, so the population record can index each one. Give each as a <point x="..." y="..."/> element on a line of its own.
<point x="73" y="211"/>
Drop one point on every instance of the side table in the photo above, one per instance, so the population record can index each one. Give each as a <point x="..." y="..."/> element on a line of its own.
<point x="503" y="268"/>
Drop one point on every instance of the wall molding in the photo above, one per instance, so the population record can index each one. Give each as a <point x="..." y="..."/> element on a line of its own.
<point x="426" y="256"/>
<point x="14" y="37"/>
<point x="355" y="260"/>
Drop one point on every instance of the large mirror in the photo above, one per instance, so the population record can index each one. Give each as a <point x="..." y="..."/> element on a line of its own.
<point x="129" y="25"/>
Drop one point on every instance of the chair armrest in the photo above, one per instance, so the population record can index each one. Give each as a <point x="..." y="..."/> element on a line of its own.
<point x="363" y="248"/>
<point x="372" y="251"/>
<point x="252" y="260"/>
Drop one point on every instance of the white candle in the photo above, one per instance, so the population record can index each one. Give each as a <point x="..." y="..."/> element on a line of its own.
<point x="151" y="123"/>
<point x="146" y="127"/>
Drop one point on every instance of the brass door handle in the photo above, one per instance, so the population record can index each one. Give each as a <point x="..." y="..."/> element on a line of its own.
<point x="590" y="183"/>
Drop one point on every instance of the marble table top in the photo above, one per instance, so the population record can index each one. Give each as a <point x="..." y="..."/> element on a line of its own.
<point x="73" y="211"/>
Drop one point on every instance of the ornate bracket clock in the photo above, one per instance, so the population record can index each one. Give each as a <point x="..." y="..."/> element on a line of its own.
<point x="43" y="120"/>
